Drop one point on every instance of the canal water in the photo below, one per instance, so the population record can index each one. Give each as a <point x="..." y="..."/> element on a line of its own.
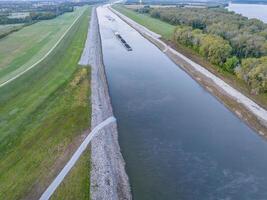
<point x="178" y="141"/>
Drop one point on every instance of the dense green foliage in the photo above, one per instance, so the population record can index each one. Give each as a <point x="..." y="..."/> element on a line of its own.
<point x="224" y="38"/>
<point x="213" y="47"/>
<point x="254" y="72"/>
<point x="231" y="64"/>
<point x="247" y="37"/>
<point x="42" y="114"/>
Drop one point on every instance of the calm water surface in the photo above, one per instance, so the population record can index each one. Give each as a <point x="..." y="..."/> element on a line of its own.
<point x="178" y="141"/>
<point x="250" y="10"/>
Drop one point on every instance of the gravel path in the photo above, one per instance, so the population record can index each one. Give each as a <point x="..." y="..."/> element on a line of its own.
<point x="259" y="112"/>
<point x="108" y="177"/>
<point x="60" y="177"/>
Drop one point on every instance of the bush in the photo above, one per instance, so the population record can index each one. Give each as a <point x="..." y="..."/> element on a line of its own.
<point x="254" y="72"/>
<point x="214" y="48"/>
<point x="231" y="64"/>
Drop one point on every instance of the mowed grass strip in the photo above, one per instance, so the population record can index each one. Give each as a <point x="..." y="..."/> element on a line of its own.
<point x="23" y="48"/>
<point x="164" y="29"/>
<point x="43" y="115"/>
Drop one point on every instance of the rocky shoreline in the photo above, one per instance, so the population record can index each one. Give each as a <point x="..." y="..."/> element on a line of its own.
<point x="108" y="177"/>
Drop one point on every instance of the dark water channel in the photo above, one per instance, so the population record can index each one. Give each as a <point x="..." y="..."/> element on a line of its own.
<point x="178" y="141"/>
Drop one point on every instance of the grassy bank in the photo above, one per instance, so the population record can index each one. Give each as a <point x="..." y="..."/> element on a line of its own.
<point x="167" y="30"/>
<point x="23" y="48"/>
<point x="5" y="30"/>
<point x="76" y="185"/>
<point x="155" y="25"/>
<point x="43" y="115"/>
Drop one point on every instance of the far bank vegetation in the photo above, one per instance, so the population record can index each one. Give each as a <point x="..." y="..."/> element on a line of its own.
<point x="230" y="41"/>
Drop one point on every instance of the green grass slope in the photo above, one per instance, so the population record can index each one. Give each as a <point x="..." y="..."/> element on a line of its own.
<point x="155" y="25"/>
<point x="8" y="29"/>
<point x="43" y="115"/>
<point x="76" y="184"/>
<point x="23" y="48"/>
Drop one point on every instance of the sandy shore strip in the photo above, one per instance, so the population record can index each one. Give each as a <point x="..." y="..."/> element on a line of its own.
<point x="108" y="177"/>
<point x="246" y="109"/>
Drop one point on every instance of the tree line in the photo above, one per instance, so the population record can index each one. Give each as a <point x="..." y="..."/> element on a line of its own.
<point x="232" y="42"/>
<point x="6" y="31"/>
<point x="36" y="15"/>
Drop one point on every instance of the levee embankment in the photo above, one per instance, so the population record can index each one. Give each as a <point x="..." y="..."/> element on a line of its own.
<point x="108" y="177"/>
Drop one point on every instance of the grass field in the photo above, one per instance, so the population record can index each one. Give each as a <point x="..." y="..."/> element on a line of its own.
<point x="43" y="115"/>
<point x="23" y="48"/>
<point x="156" y="25"/>
<point x="76" y="184"/>
<point x="166" y="30"/>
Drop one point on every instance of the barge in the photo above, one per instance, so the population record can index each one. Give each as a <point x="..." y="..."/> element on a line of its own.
<point x="123" y="42"/>
<point x="110" y="18"/>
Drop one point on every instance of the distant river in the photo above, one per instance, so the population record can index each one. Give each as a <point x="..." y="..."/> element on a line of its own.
<point x="250" y="10"/>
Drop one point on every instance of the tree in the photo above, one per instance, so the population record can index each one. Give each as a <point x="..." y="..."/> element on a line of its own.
<point x="215" y="49"/>
<point x="254" y="72"/>
<point x="231" y="64"/>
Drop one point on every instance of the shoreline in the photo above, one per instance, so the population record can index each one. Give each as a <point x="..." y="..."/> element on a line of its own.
<point x="107" y="176"/>
<point x="242" y="106"/>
